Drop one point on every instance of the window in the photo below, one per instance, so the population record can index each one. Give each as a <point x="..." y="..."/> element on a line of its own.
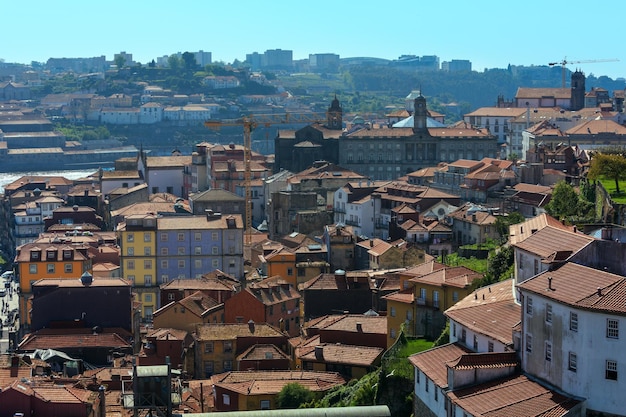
<point x="197" y="263"/>
<point x="131" y="278"/>
<point x="181" y="237"/>
<point x="198" y="250"/>
<point x="214" y="236"/>
<point x="611" y="370"/>
<point x="228" y="366"/>
<point x="265" y="404"/>
<point x="455" y="296"/>
<point x="290" y="272"/>
<point x="573" y="322"/>
<point x="164" y="264"/>
<point x="392" y="333"/>
<point x="68" y="268"/>
<point x="215" y="250"/>
<point x="228" y="346"/>
<point x="463" y="335"/>
<point x="147" y="264"/>
<point x="423" y="293"/>
<point x="572" y="362"/>
<point x="529" y="343"/>
<point x="50" y="268"/>
<point x="529" y="305"/>
<point x="164" y="252"/>
<point x="147" y="237"/>
<point x="197" y="236"/>
<point x="181" y="263"/>
<point x="612" y="329"/>
<point x="163" y="237"/>
<point x="148" y="298"/>
<point x="208" y="347"/>
<point x="181" y="250"/>
<point x="215" y="263"/>
<point x="393" y="311"/>
<point x="490" y="346"/>
<point x="417" y="376"/>
<point x="147" y="251"/>
<point x="436" y="299"/>
<point x="454" y="329"/>
<point x="476" y="343"/>
<point x="548" y="313"/>
<point x="130" y="251"/>
<point x="548" y="351"/>
<point x="130" y="264"/>
<point x="208" y="368"/>
<point x="226" y="399"/>
<point x="130" y="237"/>
<point x="426" y="387"/>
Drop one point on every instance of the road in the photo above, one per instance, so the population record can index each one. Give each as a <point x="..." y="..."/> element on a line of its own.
<point x="10" y="307"/>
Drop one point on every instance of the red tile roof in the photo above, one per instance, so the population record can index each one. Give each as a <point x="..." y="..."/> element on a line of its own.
<point x="485" y="360"/>
<point x="581" y="286"/>
<point x="271" y="382"/>
<point x="543" y="242"/>
<point x="515" y="396"/>
<point x="338" y="353"/>
<point x="432" y="362"/>
<point x="40" y="340"/>
<point x="491" y="311"/>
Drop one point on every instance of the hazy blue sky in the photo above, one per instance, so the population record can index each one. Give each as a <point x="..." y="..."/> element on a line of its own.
<point x="490" y="33"/>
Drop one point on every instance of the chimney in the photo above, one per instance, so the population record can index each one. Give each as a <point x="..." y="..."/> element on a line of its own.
<point x="371" y="243"/>
<point x="319" y="352"/>
<point x="86" y="193"/>
<point x="550" y="284"/>
<point x="599" y="292"/>
<point x="251" y="325"/>
<point x="102" y="397"/>
<point x="359" y="327"/>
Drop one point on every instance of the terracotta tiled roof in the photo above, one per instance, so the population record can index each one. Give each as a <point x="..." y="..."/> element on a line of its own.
<point x="337" y="282"/>
<point x="369" y="324"/>
<point x="216" y="194"/>
<point x="512" y="397"/>
<point x="485" y="360"/>
<point x="232" y="331"/>
<point x="432" y="362"/>
<point x="272" y="291"/>
<point x="458" y="276"/>
<point x="519" y="232"/>
<point x="405" y="296"/>
<point x="491" y="311"/>
<point x="594" y="127"/>
<point x="530" y="92"/>
<point x="40" y="340"/>
<point x="423" y="269"/>
<point x="176" y="162"/>
<point x="271" y="382"/>
<point x="338" y="353"/>
<point x="582" y="287"/>
<point x="471" y="214"/>
<point x="198" y="303"/>
<point x="262" y="353"/>
<point x="549" y="239"/>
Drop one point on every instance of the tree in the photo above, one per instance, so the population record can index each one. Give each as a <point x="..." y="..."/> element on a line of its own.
<point x="564" y="203"/>
<point x="611" y="166"/>
<point x="293" y="395"/>
<point x="503" y="222"/>
<point x="174" y="63"/>
<point x="119" y="61"/>
<point x="189" y="60"/>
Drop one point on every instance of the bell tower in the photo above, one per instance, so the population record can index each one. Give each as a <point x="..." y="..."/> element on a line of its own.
<point x="577" y="100"/>
<point x="334" y="115"/>
<point x="420" y="115"/>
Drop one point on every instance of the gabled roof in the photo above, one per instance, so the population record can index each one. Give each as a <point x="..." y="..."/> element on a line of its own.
<point x="358" y="323"/>
<point x="216" y="194"/>
<point x="62" y="339"/>
<point x="198" y="303"/>
<point x="580" y="287"/>
<point x="548" y="240"/>
<point x="262" y="352"/>
<point x="490" y="311"/>
<point x="338" y="353"/>
<point x="272" y="382"/>
<point x="515" y="395"/>
<point x="458" y="276"/>
<point x="432" y="362"/>
<point x="519" y="232"/>
<point x="272" y="291"/>
<point x="223" y="331"/>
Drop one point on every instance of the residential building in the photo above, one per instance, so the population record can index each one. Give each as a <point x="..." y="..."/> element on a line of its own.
<point x="216" y="346"/>
<point x="340" y="241"/>
<point x="217" y="201"/>
<point x="472" y="224"/>
<point x="190" y="246"/>
<point x="36" y="261"/>
<point x="165" y="346"/>
<point x="164" y="173"/>
<point x="571" y="333"/>
<point x="137" y="238"/>
<point x="185" y="314"/>
<point x="496" y="119"/>
<point x="258" y="390"/>
<point x="216" y="284"/>
<point x="273" y="301"/>
<point x="263" y="357"/>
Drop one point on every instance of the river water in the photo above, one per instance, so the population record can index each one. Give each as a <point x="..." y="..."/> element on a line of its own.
<point x="9" y="177"/>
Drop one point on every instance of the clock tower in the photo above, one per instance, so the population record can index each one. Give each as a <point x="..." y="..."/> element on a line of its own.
<point x="334" y="116"/>
<point x="420" y="115"/>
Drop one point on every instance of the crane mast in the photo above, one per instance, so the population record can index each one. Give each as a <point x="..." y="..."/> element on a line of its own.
<point x="564" y="62"/>
<point x="249" y="123"/>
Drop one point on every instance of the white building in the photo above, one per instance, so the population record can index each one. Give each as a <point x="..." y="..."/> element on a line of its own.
<point x="574" y="333"/>
<point x="496" y="119"/>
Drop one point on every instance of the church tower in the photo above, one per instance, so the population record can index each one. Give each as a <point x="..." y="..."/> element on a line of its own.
<point x="334" y="116"/>
<point x="577" y="100"/>
<point x="420" y="115"/>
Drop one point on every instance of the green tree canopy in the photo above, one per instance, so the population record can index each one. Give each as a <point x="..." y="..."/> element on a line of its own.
<point x="293" y="395"/>
<point x="119" y="61"/>
<point x="610" y="166"/>
<point x="564" y="203"/>
<point x="174" y="63"/>
<point x="189" y="59"/>
<point x="503" y="223"/>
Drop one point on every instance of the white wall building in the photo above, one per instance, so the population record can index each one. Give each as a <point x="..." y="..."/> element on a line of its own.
<point x="574" y="334"/>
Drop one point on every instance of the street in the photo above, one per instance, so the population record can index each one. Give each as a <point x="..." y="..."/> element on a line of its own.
<point x="9" y="309"/>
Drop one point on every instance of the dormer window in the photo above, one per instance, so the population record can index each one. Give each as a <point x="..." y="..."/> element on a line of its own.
<point x="67" y="254"/>
<point x="51" y="254"/>
<point x="35" y="255"/>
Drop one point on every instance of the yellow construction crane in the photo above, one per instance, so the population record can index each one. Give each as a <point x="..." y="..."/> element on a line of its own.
<point x="564" y="62"/>
<point x="249" y="123"/>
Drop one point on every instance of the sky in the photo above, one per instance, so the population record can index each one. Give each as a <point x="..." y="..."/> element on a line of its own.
<point x="489" y="33"/>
